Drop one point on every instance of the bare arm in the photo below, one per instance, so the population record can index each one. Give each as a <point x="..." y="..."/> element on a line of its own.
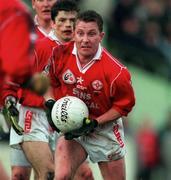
<point x="110" y="115"/>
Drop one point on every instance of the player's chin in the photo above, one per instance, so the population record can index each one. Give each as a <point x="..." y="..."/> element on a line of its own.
<point x="85" y="51"/>
<point x="68" y="38"/>
<point x="46" y="17"/>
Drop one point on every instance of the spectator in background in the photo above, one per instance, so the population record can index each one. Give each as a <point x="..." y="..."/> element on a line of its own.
<point x="151" y="33"/>
<point x="165" y="147"/>
<point x="149" y="8"/>
<point x="147" y="149"/>
<point x="165" y="44"/>
<point x="123" y="9"/>
<point x="155" y="45"/>
<point x="135" y="26"/>
<point x="124" y="26"/>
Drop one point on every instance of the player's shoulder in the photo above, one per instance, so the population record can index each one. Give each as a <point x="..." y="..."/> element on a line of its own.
<point x="13" y="11"/>
<point x="111" y="61"/>
<point x="64" y="49"/>
<point x="45" y="43"/>
<point x="39" y="34"/>
<point x="114" y="65"/>
<point x="9" y="5"/>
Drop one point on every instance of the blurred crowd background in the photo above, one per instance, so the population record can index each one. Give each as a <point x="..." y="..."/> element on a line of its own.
<point x="138" y="33"/>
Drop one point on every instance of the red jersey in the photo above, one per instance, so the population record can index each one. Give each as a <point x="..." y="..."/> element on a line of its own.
<point x="16" y="40"/>
<point x="103" y="83"/>
<point x="43" y="52"/>
<point x="40" y="35"/>
<point x="39" y="30"/>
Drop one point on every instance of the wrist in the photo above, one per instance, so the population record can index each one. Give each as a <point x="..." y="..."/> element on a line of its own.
<point x="10" y="99"/>
<point x="49" y="103"/>
<point x="95" y="123"/>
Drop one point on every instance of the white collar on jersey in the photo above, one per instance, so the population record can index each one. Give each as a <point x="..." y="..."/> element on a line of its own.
<point x="36" y="21"/>
<point x="97" y="55"/>
<point x="53" y="37"/>
<point x="90" y="63"/>
<point x="39" y="27"/>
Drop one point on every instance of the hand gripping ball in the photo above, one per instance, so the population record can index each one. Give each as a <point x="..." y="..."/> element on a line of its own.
<point x="68" y="113"/>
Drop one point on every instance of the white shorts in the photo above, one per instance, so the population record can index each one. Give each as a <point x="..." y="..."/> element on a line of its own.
<point x="106" y="143"/>
<point x="36" y="127"/>
<point x="18" y="158"/>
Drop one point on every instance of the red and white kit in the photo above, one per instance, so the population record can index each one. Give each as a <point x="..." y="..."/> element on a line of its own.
<point x="32" y="119"/>
<point x="100" y="90"/>
<point x="16" y="27"/>
<point x="39" y="30"/>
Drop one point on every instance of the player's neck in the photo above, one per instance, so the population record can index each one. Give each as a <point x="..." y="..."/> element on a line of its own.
<point x="84" y="60"/>
<point x="45" y="25"/>
<point x="59" y="38"/>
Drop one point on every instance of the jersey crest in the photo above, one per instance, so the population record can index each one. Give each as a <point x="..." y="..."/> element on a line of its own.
<point x="97" y="85"/>
<point x="68" y="77"/>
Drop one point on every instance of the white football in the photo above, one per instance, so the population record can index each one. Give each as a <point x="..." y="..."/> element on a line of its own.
<point x="68" y="113"/>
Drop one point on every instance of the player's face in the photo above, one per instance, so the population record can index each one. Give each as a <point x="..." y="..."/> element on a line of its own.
<point x="63" y="25"/>
<point x="87" y="38"/>
<point x="43" y="8"/>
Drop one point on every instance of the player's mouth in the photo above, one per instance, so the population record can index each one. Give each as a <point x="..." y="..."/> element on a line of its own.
<point x="67" y="32"/>
<point x="85" y="47"/>
<point x="46" y="11"/>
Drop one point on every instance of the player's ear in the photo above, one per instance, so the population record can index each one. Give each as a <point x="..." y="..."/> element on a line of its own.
<point x="102" y="35"/>
<point x="74" y="35"/>
<point x="33" y="4"/>
<point x="53" y="25"/>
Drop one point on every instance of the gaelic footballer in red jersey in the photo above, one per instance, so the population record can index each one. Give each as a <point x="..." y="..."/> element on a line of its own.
<point x="20" y="166"/>
<point x="63" y="17"/>
<point x="88" y="71"/>
<point x="16" y="27"/>
<point x="42" y="18"/>
<point x="34" y="120"/>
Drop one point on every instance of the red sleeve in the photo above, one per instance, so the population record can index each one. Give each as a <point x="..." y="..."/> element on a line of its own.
<point x="29" y="98"/>
<point x="43" y="52"/>
<point x="55" y="66"/>
<point x="123" y="93"/>
<point x="17" y="47"/>
<point x="9" y="89"/>
<point x="40" y="35"/>
<point x="17" y="37"/>
<point x="41" y="58"/>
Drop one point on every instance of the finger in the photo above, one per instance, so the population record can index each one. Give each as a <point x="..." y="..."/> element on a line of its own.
<point x="68" y="136"/>
<point x="18" y="129"/>
<point x="14" y="111"/>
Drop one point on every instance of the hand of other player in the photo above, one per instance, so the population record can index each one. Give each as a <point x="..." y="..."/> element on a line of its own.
<point x="49" y="105"/>
<point x="11" y="114"/>
<point x="39" y="83"/>
<point x="88" y="127"/>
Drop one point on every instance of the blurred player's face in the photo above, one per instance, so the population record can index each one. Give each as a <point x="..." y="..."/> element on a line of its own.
<point x="87" y="38"/>
<point x="63" y="25"/>
<point x="43" y="8"/>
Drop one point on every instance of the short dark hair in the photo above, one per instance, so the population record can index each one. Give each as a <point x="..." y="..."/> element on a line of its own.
<point x="63" y="5"/>
<point x="91" y="16"/>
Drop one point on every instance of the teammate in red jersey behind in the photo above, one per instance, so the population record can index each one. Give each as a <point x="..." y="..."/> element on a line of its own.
<point x="15" y="56"/>
<point x="37" y="131"/>
<point x="16" y="46"/>
<point x="42" y="18"/>
<point x="20" y="166"/>
<point x="86" y="70"/>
